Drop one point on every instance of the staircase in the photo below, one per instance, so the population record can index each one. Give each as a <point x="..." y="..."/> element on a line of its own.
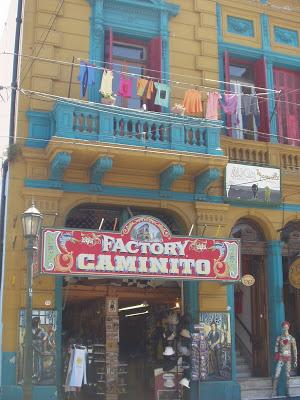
<point x="259" y="388"/>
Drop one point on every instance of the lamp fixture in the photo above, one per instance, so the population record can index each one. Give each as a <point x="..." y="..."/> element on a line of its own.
<point x="142" y="305"/>
<point x="134" y="315"/>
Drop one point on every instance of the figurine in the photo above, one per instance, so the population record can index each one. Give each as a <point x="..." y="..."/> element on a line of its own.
<point x="285" y="355"/>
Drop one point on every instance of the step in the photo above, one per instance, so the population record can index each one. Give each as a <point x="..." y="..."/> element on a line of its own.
<point x="255" y="383"/>
<point x="243" y="374"/>
<point x="243" y="368"/>
<point x="256" y="394"/>
<point x="295" y="390"/>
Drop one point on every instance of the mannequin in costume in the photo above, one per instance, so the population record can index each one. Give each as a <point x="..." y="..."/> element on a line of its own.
<point x="285" y="355"/>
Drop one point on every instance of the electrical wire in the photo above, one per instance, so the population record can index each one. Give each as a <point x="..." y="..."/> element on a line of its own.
<point x="57" y="11"/>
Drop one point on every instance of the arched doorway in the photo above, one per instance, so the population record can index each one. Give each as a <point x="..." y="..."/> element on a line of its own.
<point x="251" y="302"/>
<point x="290" y="235"/>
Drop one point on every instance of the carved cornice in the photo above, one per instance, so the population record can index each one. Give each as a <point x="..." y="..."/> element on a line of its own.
<point x="203" y="180"/>
<point x="99" y="169"/>
<point x="60" y="162"/>
<point x="169" y="176"/>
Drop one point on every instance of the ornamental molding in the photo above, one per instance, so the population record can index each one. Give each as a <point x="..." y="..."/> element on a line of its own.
<point x="240" y="26"/>
<point x="288" y="37"/>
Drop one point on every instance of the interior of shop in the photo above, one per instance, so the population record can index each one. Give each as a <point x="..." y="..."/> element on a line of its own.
<point x="134" y="327"/>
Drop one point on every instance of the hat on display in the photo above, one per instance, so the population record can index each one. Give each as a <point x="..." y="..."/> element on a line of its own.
<point x="185" y="333"/>
<point x="179" y="361"/>
<point x="185" y="382"/>
<point x="169" y="380"/>
<point x="169" y="351"/>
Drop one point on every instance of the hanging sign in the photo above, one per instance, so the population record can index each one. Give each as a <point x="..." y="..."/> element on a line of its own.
<point x="294" y="274"/>
<point x="143" y="248"/>
<point x="248" y="280"/>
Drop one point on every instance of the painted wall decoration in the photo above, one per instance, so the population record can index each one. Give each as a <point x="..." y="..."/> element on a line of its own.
<point x="215" y="355"/>
<point x="294" y="273"/>
<point x="240" y="26"/>
<point x="143" y="248"/>
<point x="44" y="324"/>
<point x="288" y="37"/>
<point x="252" y="183"/>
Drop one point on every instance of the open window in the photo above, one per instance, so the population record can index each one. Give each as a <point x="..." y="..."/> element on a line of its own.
<point x="133" y="59"/>
<point x="247" y="79"/>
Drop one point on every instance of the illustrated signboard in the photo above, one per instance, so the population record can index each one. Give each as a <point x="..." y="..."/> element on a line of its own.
<point x="215" y="344"/>
<point x="252" y="183"/>
<point x="143" y="248"/>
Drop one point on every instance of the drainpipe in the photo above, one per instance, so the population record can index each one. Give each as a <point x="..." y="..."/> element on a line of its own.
<point x="4" y="186"/>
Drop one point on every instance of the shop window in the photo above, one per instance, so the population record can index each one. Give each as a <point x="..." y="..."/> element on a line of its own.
<point x="288" y="117"/>
<point x="247" y="80"/>
<point x="132" y="59"/>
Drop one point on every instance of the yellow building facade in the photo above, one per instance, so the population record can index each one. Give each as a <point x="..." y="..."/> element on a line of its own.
<point x="82" y="161"/>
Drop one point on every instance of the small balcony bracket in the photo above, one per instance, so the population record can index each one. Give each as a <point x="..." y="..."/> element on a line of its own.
<point x="99" y="169"/>
<point x="59" y="164"/>
<point x="169" y="176"/>
<point x="203" y="180"/>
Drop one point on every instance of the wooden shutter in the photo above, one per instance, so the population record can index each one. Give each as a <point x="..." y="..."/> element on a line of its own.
<point x="260" y="80"/>
<point x="227" y="86"/>
<point x="288" y="120"/>
<point x="154" y="65"/>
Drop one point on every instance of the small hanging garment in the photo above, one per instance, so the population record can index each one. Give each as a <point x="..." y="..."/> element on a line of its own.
<point x="249" y="106"/>
<point x="106" y="83"/>
<point x="125" y="87"/>
<point x="86" y="77"/>
<point x="162" y="94"/>
<point x="192" y="101"/>
<point x="76" y="374"/>
<point x="150" y="90"/>
<point x="141" y="86"/>
<point x="212" y="106"/>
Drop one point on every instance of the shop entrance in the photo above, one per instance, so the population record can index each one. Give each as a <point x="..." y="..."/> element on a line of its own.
<point x="141" y="323"/>
<point x="251" y="302"/>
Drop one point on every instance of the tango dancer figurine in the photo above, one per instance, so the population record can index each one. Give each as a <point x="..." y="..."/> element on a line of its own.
<point x="285" y="356"/>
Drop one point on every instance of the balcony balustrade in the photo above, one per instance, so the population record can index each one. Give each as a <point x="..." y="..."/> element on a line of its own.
<point x="110" y="124"/>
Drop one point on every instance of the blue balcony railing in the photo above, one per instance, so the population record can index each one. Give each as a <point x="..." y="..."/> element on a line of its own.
<point x="110" y="124"/>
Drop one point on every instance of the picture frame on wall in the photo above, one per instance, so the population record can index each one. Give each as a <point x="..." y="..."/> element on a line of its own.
<point x="215" y="360"/>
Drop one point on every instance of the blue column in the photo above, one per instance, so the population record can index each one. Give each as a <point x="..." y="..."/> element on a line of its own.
<point x="275" y="294"/>
<point x="191" y="306"/>
<point x="58" y="306"/>
<point x="272" y="103"/>
<point x="230" y="302"/>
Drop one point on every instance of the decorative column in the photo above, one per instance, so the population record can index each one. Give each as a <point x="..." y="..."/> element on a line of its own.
<point x="275" y="294"/>
<point x="112" y="347"/>
<point x="97" y="40"/>
<point x="272" y="103"/>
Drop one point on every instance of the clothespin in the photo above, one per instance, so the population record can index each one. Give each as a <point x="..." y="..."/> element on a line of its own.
<point x="204" y="229"/>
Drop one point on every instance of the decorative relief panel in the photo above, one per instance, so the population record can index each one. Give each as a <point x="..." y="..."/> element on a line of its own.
<point x="240" y="26"/>
<point x="287" y="37"/>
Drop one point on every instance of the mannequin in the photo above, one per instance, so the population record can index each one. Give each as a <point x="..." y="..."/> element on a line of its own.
<point x="285" y="355"/>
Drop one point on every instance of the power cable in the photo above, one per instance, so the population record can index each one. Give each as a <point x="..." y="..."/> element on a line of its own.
<point x="59" y="7"/>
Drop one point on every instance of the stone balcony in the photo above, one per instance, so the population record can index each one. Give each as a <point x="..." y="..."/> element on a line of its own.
<point x="121" y="126"/>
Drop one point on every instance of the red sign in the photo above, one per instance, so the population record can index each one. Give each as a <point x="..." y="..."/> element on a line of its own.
<point x="143" y="248"/>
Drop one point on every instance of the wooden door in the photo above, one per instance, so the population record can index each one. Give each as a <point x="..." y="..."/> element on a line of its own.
<point x="259" y="317"/>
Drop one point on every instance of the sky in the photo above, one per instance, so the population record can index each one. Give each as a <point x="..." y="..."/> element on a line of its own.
<point x="7" y="28"/>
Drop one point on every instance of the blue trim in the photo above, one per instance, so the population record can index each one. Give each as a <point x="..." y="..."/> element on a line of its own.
<point x="170" y="175"/>
<point x="272" y="103"/>
<point x="58" y="307"/>
<point x="276" y="312"/>
<point x="59" y="164"/>
<point x="224" y="390"/>
<point x="99" y="169"/>
<point x="40" y="126"/>
<point x="203" y="180"/>
<point x="287" y="37"/>
<point x="120" y="191"/>
<point x="265" y="32"/>
<point x="240" y="26"/>
<point x="9" y="368"/>
<point x="230" y="303"/>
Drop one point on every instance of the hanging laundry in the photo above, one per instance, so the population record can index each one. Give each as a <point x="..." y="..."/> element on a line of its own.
<point x="86" y="77"/>
<point x="192" y="101"/>
<point x="106" y="83"/>
<point x="162" y="94"/>
<point x="249" y="106"/>
<point x="230" y="107"/>
<point x="150" y="90"/>
<point x="212" y="105"/>
<point x="141" y="86"/>
<point x="76" y="374"/>
<point x="125" y="87"/>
